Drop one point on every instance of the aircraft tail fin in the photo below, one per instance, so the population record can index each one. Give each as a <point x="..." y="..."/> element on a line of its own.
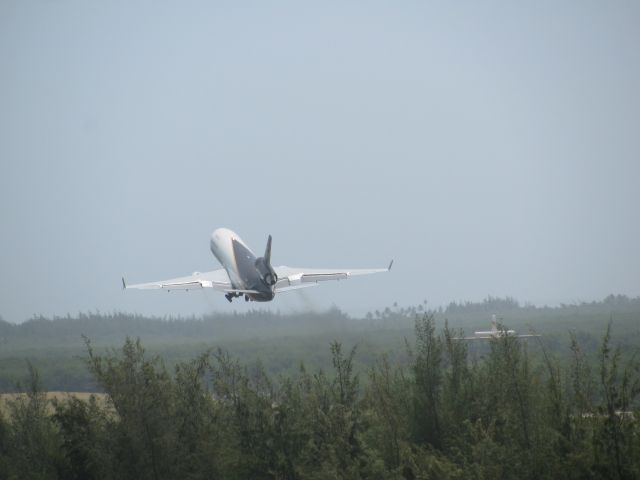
<point x="263" y="264"/>
<point x="267" y="252"/>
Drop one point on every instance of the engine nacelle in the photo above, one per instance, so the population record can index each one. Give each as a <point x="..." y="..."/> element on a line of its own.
<point x="266" y="272"/>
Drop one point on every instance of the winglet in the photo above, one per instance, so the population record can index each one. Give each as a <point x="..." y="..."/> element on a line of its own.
<point x="390" y="265"/>
<point x="124" y="284"/>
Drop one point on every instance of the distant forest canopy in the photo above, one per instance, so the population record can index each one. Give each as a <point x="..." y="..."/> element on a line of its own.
<point x="281" y="342"/>
<point x="488" y="306"/>
<point x="502" y="305"/>
<point x="109" y="329"/>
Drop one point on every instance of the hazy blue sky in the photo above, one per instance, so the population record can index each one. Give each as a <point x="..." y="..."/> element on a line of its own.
<point x="491" y="148"/>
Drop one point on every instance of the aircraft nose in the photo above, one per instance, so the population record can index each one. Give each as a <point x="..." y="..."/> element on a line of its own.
<point x="218" y="238"/>
<point x="215" y="236"/>
<point x="218" y="234"/>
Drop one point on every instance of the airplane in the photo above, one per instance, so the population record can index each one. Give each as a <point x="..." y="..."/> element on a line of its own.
<point x="495" y="332"/>
<point x="244" y="274"/>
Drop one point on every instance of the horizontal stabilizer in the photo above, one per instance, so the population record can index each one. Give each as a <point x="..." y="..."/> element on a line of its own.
<point x="296" y="287"/>
<point x="235" y="290"/>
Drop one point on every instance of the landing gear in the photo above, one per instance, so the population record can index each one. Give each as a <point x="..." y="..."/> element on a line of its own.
<point x="231" y="295"/>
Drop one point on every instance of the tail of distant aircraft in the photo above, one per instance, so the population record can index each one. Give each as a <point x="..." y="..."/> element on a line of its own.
<point x="494" y="323"/>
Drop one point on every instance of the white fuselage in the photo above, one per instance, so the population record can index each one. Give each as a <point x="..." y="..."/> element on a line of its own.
<point x="222" y="248"/>
<point x="494" y="333"/>
<point x="240" y="263"/>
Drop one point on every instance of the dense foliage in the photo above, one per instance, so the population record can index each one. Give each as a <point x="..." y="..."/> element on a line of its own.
<point x="441" y="414"/>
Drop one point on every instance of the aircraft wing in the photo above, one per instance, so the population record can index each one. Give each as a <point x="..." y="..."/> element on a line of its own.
<point x="490" y="337"/>
<point x="216" y="279"/>
<point x="290" y="278"/>
<point x="475" y="337"/>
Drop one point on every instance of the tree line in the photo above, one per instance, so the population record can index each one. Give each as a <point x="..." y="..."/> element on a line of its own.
<point x="443" y="414"/>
